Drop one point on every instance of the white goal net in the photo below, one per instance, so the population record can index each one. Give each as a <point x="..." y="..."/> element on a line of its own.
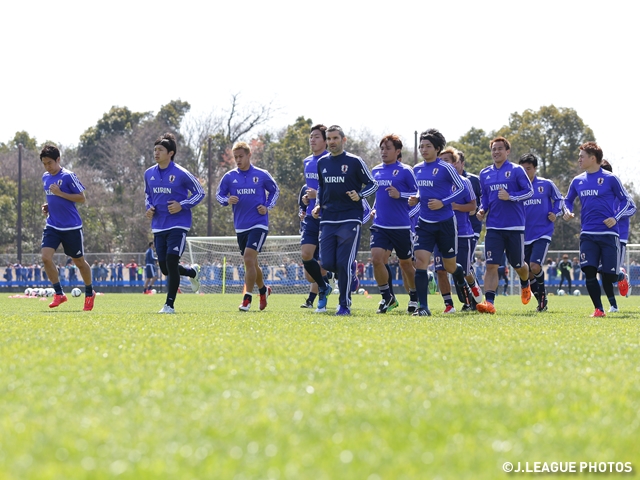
<point x="222" y="267"/>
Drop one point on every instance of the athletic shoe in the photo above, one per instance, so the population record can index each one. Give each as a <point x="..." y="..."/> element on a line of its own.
<point x="167" y="309"/>
<point x="148" y="292"/>
<point x="412" y="307"/>
<point x="598" y="313"/>
<point x="322" y="299"/>
<point x="623" y="285"/>
<point x="246" y="304"/>
<point x="307" y="304"/>
<point x="263" y="299"/>
<point x="88" y="302"/>
<point x="542" y="303"/>
<point x="449" y="309"/>
<point x="613" y="309"/>
<point x="57" y="300"/>
<point x="384" y="307"/>
<point x="343" y="311"/>
<point x="468" y="308"/>
<point x="195" y="281"/>
<point x="525" y="295"/>
<point x="487" y="307"/>
<point x="477" y="293"/>
<point x="421" y="312"/>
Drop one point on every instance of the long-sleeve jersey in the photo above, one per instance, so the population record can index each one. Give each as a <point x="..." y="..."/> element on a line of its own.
<point x="149" y="257"/>
<point x="623" y="223"/>
<point x="253" y="187"/>
<point x="63" y="214"/>
<point x="337" y="175"/>
<point x="504" y="214"/>
<point x="475" y="183"/>
<point x="463" y="219"/>
<point x="546" y="199"/>
<point x="437" y="180"/>
<point x="600" y="192"/>
<point x="393" y="212"/>
<point x="311" y="177"/>
<point x="164" y="185"/>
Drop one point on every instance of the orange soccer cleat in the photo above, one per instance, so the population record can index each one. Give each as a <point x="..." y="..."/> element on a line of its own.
<point x="486" y="307"/>
<point x="598" y="313"/>
<point x="525" y="295"/>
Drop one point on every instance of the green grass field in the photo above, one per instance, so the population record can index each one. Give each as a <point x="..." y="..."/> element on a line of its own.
<point x="287" y="394"/>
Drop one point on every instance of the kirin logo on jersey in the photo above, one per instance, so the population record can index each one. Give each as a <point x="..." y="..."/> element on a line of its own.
<point x="256" y="179"/>
<point x="541" y="189"/>
<point x="396" y="172"/>
<point x="507" y="174"/>
<point x="344" y="168"/>
<point x="172" y="178"/>
<point x="435" y="171"/>
<point x="600" y="181"/>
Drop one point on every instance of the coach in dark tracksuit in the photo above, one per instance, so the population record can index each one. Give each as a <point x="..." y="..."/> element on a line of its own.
<point x="341" y="176"/>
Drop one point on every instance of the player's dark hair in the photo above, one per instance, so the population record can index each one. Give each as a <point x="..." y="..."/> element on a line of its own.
<point x="529" y="158"/>
<point x="507" y="145"/>
<point x="592" y="148"/>
<point x="150" y="243"/>
<point x="395" y="139"/>
<point x="50" y="151"/>
<point x="321" y="128"/>
<point x="168" y="141"/>
<point x="435" y="137"/>
<point x="606" y="166"/>
<point x="461" y="156"/>
<point x="336" y="128"/>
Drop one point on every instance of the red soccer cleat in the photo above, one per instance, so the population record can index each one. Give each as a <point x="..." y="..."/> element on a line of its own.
<point x="57" y="300"/>
<point x="88" y="302"/>
<point x="449" y="309"/>
<point x="263" y="299"/>
<point x="598" y="313"/>
<point x="623" y="285"/>
<point x="486" y="307"/>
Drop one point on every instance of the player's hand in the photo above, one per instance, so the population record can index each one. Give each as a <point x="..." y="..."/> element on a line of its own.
<point x="311" y="193"/>
<point x="353" y="195"/>
<point x="262" y="209"/>
<point x="305" y="199"/>
<point x="435" y="204"/>
<point x="174" y="207"/>
<point x="45" y="209"/>
<point x="316" y="212"/>
<point x="610" y="222"/>
<point x="150" y="212"/>
<point x="503" y="194"/>
<point x="373" y="213"/>
<point x="552" y="216"/>
<point x="455" y="206"/>
<point x="301" y="215"/>
<point x="480" y="215"/>
<point x="568" y="216"/>
<point x="393" y="192"/>
<point x="233" y="200"/>
<point x="413" y="200"/>
<point x="55" y="189"/>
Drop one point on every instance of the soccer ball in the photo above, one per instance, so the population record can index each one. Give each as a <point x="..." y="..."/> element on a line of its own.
<point x="361" y="291"/>
<point x="154" y="291"/>
<point x="27" y="291"/>
<point x="76" y="292"/>
<point x="576" y="292"/>
<point x="336" y="291"/>
<point x="50" y="292"/>
<point x="561" y="292"/>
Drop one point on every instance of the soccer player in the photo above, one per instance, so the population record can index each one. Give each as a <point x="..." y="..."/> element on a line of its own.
<point x="252" y="192"/>
<point x="505" y="187"/>
<point x="149" y="269"/>
<point x="623" y="231"/>
<point x="170" y="194"/>
<point x="439" y="185"/>
<point x="64" y="225"/>
<point x="311" y="226"/>
<point x="541" y="211"/>
<point x="341" y="176"/>
<point x="391" y="229"/>
<point x="604" y="202"/>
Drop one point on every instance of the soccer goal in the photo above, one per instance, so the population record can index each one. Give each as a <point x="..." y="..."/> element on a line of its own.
<point x="222" y="267"/>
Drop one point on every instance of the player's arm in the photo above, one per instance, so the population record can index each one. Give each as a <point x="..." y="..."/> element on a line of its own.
<point x="484" y="199"/>
<point x="272" y="188"/>
<point x="568" y="201"/>
<point x="411" y="184"/>
<point x="366" y="179"/>
<point x="316" y="209"/>
<point x="627" y="205"/>
<point x="192" y="184"/>
<point x="223" y="195"/>
<point x="456" y="195"/>
<point x="471" y="205"/>
<point x="72" y="197"/>
<point x="557" y="202"/>
<point x="525" y="189"/>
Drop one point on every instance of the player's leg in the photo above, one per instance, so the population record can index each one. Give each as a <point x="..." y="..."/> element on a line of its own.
<point x="610" y="257"/>
<point x="348" y="240"/>
<point x="308" y="250"/>
<point x="447" y="242"/>
<point x="403" y="245"/>
<point x="423" y="248"/>
<point x="171" y="244"/>
<point x="465" y="252"/>
<point x="514" y="247"/>
<point x="590" y="256"/>
<point x="442" y="279"/>
<point x="494" y="249"/>
<point x="328" y="241"/>
<point x="623" y="277"/>
<point x="381" y="246"/>
<point x="535" y="253"/>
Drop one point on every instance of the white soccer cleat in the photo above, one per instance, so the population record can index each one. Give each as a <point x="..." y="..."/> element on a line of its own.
<point x="167" y="309"/>
<point x="195" y="281"/>
<point x="613" y="310"/>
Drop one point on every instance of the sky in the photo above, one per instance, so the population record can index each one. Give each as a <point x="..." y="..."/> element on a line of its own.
<point x="381" y="66"/>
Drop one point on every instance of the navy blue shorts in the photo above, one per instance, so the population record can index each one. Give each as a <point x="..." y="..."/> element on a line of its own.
<point x="398" y="239"/>
<point x="441" y="234"/>
<point x="150" y="271"/>
<point x="310" y="233"/>
<point x="600" y="251"/>
<point x="497" y="242"/>
<point x="253" y="239"/>
<point x="72" y="241"/>
<point x="170" y="242"/>
<point x="464" y="258"/>
<point x="536" y="251"/>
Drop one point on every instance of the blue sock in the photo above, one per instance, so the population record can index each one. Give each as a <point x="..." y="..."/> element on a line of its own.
<point x="422" y="287"/>
<point x="58" y="288"/>
<point x="490" y="296"/>
<point x="88" y="290"/>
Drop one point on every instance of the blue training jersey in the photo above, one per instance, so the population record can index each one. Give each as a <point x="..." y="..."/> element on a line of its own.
<point x="475" y="183"/>
<point x="546" y="199"/>
<point x="164" y="185"/>
<point x="254" y="187"/>
<point x="63" y="214"/>
<point x="463" y="219"/>
<point x="504" y="214"/>
<point x="311" y="177"/>
<point x="149" y="257"/>
<point x="337" y="175"/>
<point x="393" y="212"/>
<point x="436" y="181"/>
<point x="599" y="192"/>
